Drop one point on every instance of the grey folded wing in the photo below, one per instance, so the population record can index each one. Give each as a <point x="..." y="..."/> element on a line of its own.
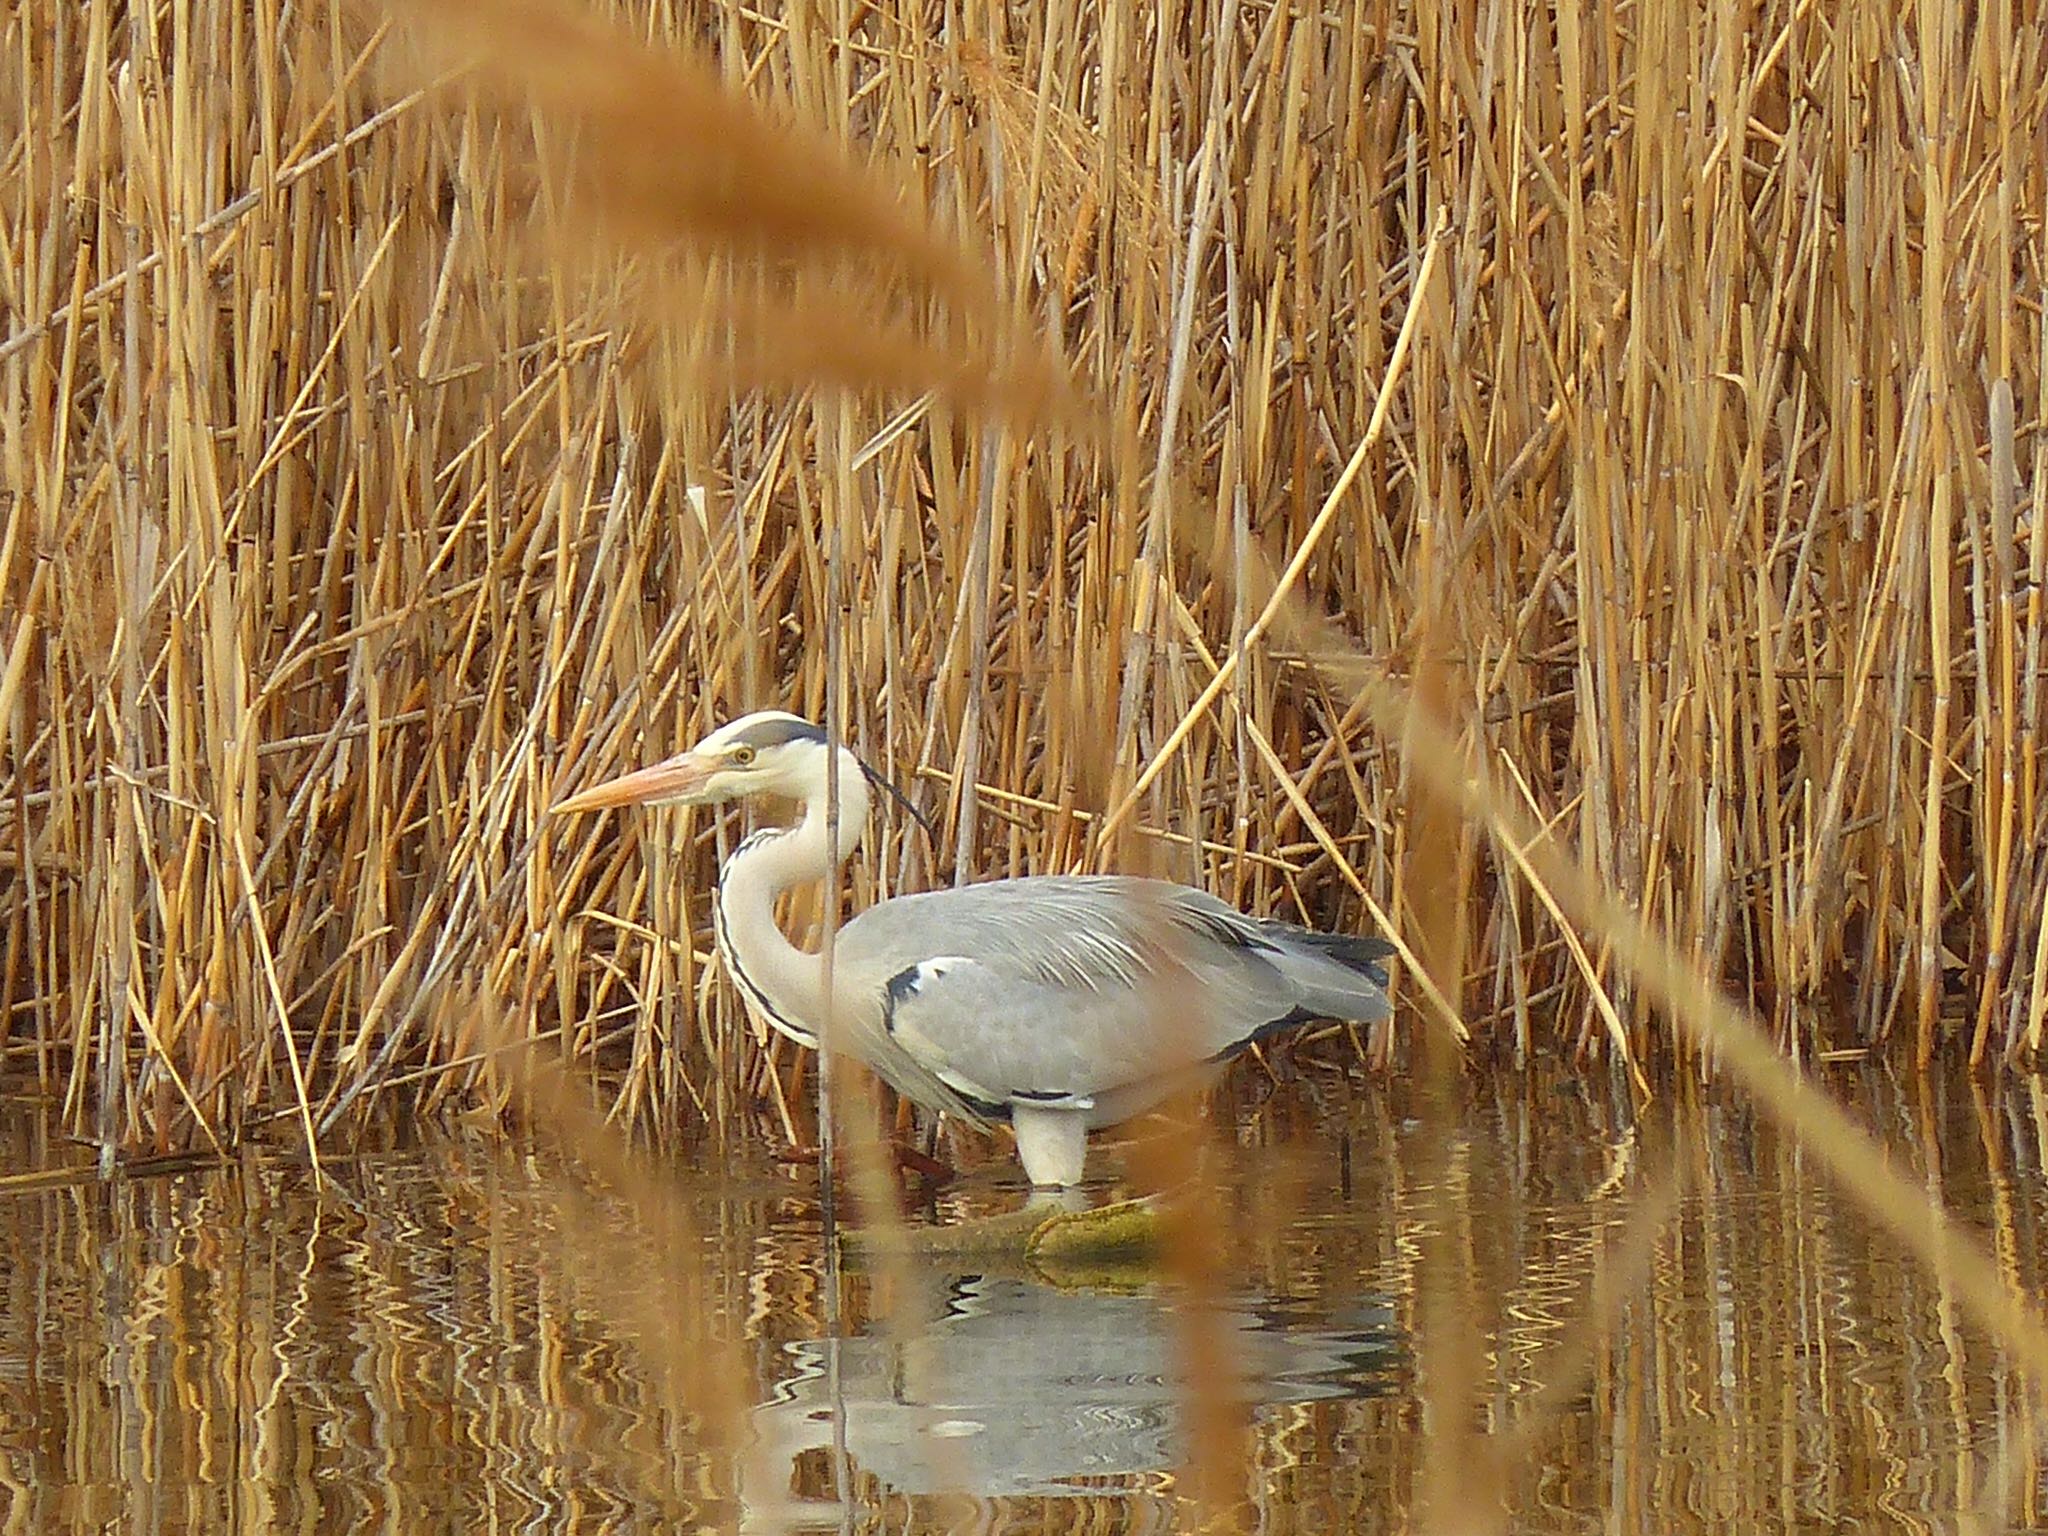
<point x="1071" y="991"/>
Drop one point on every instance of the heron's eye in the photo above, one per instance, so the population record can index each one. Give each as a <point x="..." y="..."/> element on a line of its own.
<point x="741" y="756"/>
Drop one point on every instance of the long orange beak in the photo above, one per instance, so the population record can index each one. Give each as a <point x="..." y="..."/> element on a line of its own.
<point x="679" y="778"/>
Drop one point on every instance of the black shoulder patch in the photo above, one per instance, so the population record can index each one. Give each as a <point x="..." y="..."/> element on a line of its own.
<point x="900" y="989"/>
<point x="903" y="985"/>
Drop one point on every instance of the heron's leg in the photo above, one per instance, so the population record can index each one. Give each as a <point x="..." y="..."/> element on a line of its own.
<point x="1052" y="1143"/>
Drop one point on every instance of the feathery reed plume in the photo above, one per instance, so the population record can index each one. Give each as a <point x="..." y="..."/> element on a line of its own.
<point x="824" y="269"/>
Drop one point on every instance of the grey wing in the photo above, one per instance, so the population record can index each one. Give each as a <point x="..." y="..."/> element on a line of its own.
<point x="1081" y="990"/>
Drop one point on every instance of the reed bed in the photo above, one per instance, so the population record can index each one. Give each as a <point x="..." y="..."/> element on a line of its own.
<point x="391" y="447"/>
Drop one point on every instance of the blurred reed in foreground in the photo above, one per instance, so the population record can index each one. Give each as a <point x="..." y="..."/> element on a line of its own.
<point x="348" y="520"/>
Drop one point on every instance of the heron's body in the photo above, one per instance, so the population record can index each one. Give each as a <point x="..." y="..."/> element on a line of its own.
<point x="1057" y="1003"/>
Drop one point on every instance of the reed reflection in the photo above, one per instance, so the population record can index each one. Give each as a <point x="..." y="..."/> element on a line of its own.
<point x="437" y="1338"/>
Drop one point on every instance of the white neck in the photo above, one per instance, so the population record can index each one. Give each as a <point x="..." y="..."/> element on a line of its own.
<point x="791" y="981"/>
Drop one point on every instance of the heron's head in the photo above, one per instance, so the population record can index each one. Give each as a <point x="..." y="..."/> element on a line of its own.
<point x="769" y="753"/>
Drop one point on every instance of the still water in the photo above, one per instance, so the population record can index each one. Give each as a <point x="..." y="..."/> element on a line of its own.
<point x="1396" y="1305"/>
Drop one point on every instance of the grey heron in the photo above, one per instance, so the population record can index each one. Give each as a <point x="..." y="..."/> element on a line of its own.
<point x="1057" y="1003"/>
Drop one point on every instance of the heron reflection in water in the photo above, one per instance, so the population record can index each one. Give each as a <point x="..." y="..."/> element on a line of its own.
<point x="1053" y="1003"/>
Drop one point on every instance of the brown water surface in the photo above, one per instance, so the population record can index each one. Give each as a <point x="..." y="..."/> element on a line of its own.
<point x="452" y="1336"/>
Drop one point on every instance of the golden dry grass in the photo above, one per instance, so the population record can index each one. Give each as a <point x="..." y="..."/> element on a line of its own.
<point x="352" y="408"/>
